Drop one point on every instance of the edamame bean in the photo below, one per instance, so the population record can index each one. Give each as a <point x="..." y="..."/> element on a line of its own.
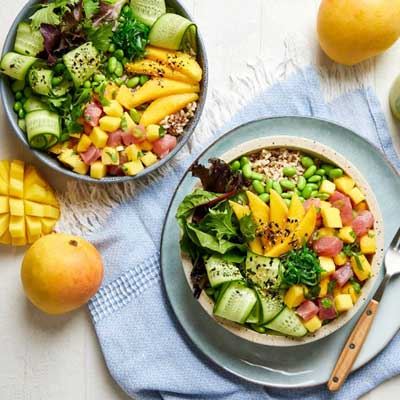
<point x="235" y="166"/>
<point x="119" y="81"/>
<point x="143" y="79"/>
<point x="320" y="172"/>
<point x="306" y="193"/>
<point x="314" y="193"/>
<point x="314" y="179"/>
<point x="323" y="196"/>
<point x="119" y="70"/>
<point x="289" y="171"/>
<point x="18" y="96"/>
<point x="87" y="84"/>
<point x="287" y="195"/>
<point x="264" y="197"/>
<point x="310" y="171"/>
<point x="258" y="187"/>
<point x="60" y="67"/>
<point x="286" y="184"/>
<point x="327" y="167"/>
<point x="17" y="106"/>
<point x="268" y="185"/>
<point x="257" y="176"/>
<point x="287" y="201"/>
<point x="306" y="162"/>
<point x="277" y="187"/>
<point x="313" y="186"/>
<point x="244" y="160"/>
<point x="112" y="64"/>
<point x="22" y="124"/>
<point x="21" y="113"/>
<point x="335" y="173"/>
<point x="133" y="82"/>
<point x="119" y="54"/>
<point x="135" y="115"/>
<point x="111" y="48"/>
<point x="56" y="80"/>
<point x="301" y="182"/>
<point x="247" y="172"/>
<point x="302" y="199"/>
<point x="99" y="77"/>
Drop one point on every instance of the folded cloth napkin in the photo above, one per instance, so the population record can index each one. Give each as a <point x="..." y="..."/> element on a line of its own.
<point x="145" y="349"/>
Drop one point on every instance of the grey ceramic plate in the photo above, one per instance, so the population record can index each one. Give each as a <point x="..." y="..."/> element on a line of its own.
<point x="7" y="99"/>
<point x="309" y="364"/>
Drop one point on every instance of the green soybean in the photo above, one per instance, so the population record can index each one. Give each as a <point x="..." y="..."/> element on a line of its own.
<point x="323" y="196"/>
<point x="310" y="171"/>
<point x="302" y="199"/>
<point x="87" y="84"/>
<point x="143" y="79"/>
<point x="286" y="184"/>
<point x="301" y="182"/>
<point x="235" y="166"/>
<point x="314" y="179"/>
<point x="335" y="173"/>
<point x="56" y="80"/>
<point x="119" y="54"/>
<point x="306" y="193"/>
<point x="264" y="197"/>
<point x="133" y="82"/>
<point x="135" y="115"/>
<point x="59" y="68"/>
<point x="210" y="291"/>
<point x="94" y="84"/>
<point x="314" y="193"/>
<point x="112" y="64"/>
<point x="289" y="171"/>
<point x="18" y="96"/>
<point x="258" y="187"/>
<point x="287" y="201"/>
<point x="111" y="48"/>
<point x="287" y="195"/>
<point x="17" y="106"/>
<point x="306" y="162"/>
<point x="268" y="185"/>
<point x="257" y="176"/>
<point x="247" y="172"/>
<point x="119" y="69"/>
<point x="313" y="186"/>
<point x="320" y="172"/>
<point x="277" y="187"/>
<point x="327" y="167"/>
<point x="244" y="160"/>
<point x="21" y="113"/>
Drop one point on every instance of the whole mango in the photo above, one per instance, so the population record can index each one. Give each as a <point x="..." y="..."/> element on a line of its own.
<point x="351" y="31"/>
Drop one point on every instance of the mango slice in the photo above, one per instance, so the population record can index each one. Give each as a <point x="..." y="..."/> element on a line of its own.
<point x="165" y="106"/>
<point x="28" y="205"/>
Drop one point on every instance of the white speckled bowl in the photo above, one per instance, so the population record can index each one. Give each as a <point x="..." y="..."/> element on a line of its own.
<point x="325" y="153"/>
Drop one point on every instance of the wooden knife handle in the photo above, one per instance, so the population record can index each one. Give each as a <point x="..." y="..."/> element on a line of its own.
<point x="352" y="347"/>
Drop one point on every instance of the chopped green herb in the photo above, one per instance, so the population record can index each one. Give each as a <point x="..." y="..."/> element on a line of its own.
<point x="331" y="286"/>
<point x="326" y="303"/>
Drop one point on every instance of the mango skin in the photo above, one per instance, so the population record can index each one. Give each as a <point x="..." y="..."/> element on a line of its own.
<point x="351" y="31"/>
<point x="61" y="272"/>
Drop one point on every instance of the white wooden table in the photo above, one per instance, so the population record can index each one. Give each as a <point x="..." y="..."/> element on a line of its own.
<point x="47" y="358"/>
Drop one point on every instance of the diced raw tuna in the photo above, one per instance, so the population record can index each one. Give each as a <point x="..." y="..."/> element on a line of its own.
<point x="114" y="138"/>
<point x="164" y="145"/>
<point x="92" y="114"/>
<point x="328" y="246"/>
<point x="343" y="203"/>
<point x="139" y="134"/>
<point x="327" y="309"/>
<point x="307" y="310"/>
<point x="115" y="170"/>
<point x="91" y="155"/>
<point x="343" y="274"/>
<point x="123" y="158"/>
<point x="127" y="138"/>
<point x="362" y="223"/>
<point x="87" y="128"/>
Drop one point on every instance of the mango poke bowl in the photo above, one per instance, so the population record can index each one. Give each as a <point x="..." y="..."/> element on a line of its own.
<point x="281" y="240"/>
<point x="103" y="90"/>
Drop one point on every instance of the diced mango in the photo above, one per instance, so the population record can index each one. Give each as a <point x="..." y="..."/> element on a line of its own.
<point x="34" y="209"/>
<point x="132" y="168"/>
<point x="239" y="210"/>
<point x="127" y="123"/>
<point x="98" y="170"/>
<point x="325" y="204"/>
<point x="16" y="207"/>
<point x="153" y="132"/>
<point x="347" y="235"/>
<point x="157" y="69"/>
<point x="110" y="156"/>
<point x="4" y="205"/>
<point x="368" y="243"/>
<point x="111" y="91"/>
<point x="165" y="106"/>
<point x="69" y="157"/>
<point x="327" y="187"/>
<point x="294" y="296"/>
<point x="146" y="146"/>
<point x="51" y="212"/>
<point x="348" y="288"/>
<point x="343" y="302"/>
<point x="113" y="109"/>
<point x="99" y="137"/>
<point x="149" y="159"/>
<point x="34" y="228"/>
<point x="125" y="98"/>
<point x="37" y="189"/>
<point x="323" y="285"/>
<point x="132" y="152"/>
<point x="6" y="238"/>
<point x="16" y="183"/>
<point x="48" y="225"/>
<point x="361" y="206"/>
<point x="84" y="144"/>
<point x="331" y="217"/>
<point x="337" y="290"/>
<point x="324" y="232"/>
<point x="4" y="222"/>
<point x="344" y="184"/>
<point x="361" y="267"/>
<point x="356" y="195"/>
<point x="278" y="210"/>
<point x="340" y="259"/>
<point x="313" y="324"/>
<point x="109" y="124"/>
<point x="328" y="265"/>
<point x="17" y="226"/>
<point x="4" y="176"/>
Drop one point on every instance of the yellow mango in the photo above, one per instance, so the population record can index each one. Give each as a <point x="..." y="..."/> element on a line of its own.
<point x="165" y="106"/>
<point x="327" y="187"/>
<point x="4" y="223"/>
<point x="21" y="241"/>
<point x="154" y="68"/>
<point x="340" y="259"/>
<point x="239" y="210"/>
<point x="161" y="87"/>
<point x="176" y="60"/>
<point x="34" y="209"/>
<point x="99" y="137"/>
<point x="16" y="207"/>
<point x="153" y="132"/>
<point x="347" y="235"/>
<point x="256" y="246"/>
<point x="149" y="159"/>
<point x="259" y="210"/>
<point x="17" y="226"/>
<point x="356" y="195"/>
<point x="324" y="287"/>
<point x="16" y="182"/>
<point x="33" y="228"/>
<point x="331" y="217"/>
<point x="294" y="296"/>
<point x="47" y="225"/>
<point x="368" y="243"/>
<point x="348" y="288"/>
<point x="4" y="205"/>
<point x="51" y="212"/>
<point x="125" y="97"/>
<point x="109" y="156"/>
<point x="98" y="170"/>
<point x="146" y="145"/>
<point x="73" y="160"/>
<point x="344" y="184"/>
<point x="37" y="189"/>
<point x="113" y="109"/>
<point x="313" y="324"/>
<point x="83" y="144"/>
<point x="343" y="302"/>
<point x="4" y="176"/>
<point x="296" y="210"/>
<point x="325" y="204"/>
<point x="278" y="211"/>
<point x="109" y="124"/>
<point x="132" y="152"/>
<point x="324" y="232"/>
<point x="328" y="266"/>
<point x="111" y="91"/>
<point x="132" y="168"/>
<point x="6" y="238"/>
<point x="361" y="267"/>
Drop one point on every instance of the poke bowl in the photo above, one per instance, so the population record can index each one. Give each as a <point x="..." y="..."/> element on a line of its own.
<point x="104" y="94"/>
<point x="281" y="240"/>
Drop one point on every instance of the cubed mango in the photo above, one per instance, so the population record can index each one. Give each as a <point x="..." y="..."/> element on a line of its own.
<point x="99" y="137"/>
<point x="327" y="187"/>
<point x="149" y="159"/>
<point x="368" y="243"/>
<point x="344" y="184"/>
<point x="361" y="267"/>
<point x="343" y="302"/>
<point x="109" y="124"/>
<point x="83" y="144"/>
<point x="294" y="296"/>
<point x="331" y="217"/>
<point x="313" y="324"/>
<point x="356" y="195"/>
<point x="98" y="170"/>
<point x="347" y="235"/>
<point x="132" y="168"/>
<point x="328" y="265"/>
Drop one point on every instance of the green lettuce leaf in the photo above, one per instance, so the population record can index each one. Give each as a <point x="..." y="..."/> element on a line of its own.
<point x="193" y="200"/>
<point x="219" y="223"/>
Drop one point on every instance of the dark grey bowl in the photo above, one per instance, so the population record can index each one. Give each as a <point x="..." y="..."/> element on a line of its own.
<point x="7" y="99"/>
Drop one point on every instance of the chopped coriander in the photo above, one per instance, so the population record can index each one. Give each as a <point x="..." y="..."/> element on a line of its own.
<point x="326" y="303"/>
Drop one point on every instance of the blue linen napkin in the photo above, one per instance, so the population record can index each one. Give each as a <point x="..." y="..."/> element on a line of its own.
<point x="143" y="345"/>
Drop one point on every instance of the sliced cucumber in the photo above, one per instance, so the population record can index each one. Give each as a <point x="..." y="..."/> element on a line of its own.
<point x="34" y="104"/>
<point x="236" y="303"/>
<point x="171" y="31"/>
<point x="255" y="315"/>
<point x="61" y="90"/>
<point x="43" y="129"/>
<point x="147" y="11"/>
<point x="288" y="323"/>
<point x="16" y="65"/>
<point x="264" y="272"/>
<point x="82" y="63"/>
<point x="40" y="80"/>
<point x="270" y="306"/>
<point x="28" y="41"/>
<point x="220" y="271"/>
